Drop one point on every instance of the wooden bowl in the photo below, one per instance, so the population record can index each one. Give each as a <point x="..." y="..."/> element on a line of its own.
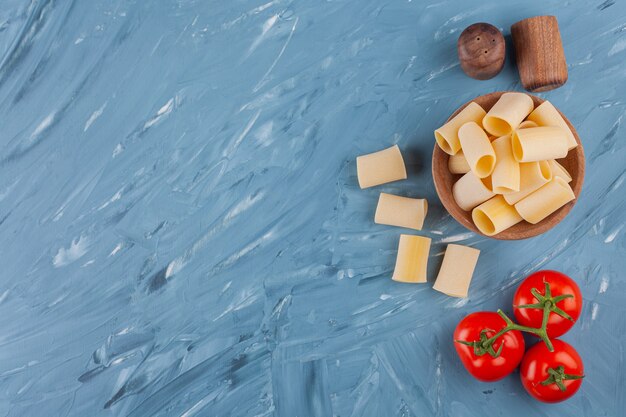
<point x="574" y="162"/>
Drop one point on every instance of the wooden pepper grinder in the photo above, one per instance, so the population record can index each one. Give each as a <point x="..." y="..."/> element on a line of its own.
<point x="539" y="53"/>
<point x="481" y="50"/>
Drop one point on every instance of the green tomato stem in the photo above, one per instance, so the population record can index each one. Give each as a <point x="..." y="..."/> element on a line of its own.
<point x="544" y="301"/>
<point x="557" y="376"/>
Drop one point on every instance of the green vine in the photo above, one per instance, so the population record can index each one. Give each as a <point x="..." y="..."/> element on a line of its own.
<point x="484" y="345"/>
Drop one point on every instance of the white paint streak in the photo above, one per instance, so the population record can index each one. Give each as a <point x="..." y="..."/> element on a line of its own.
<point x="243" y="299"/>
<point x="118" y="150"/>
<point x="264" y="133"/>
<point x="247" y="249"/>
<point x="267" y="25"/>
<point x="231" y="149"/>
<point x="163" y="111"/>
<point x="116" y="249"/>
<point x="461" y="302"/>
<point x="618" y="46"/>
<point x="45" y="123"/>
<point x="457" y="238"/>
<point x="604" y="285"/>
<point x="280" y="54"/>
<point x="94" y="116"/>
<point x="113" y="199"/>
<point x="611" y="236"/>
<point x="243" y="205"/>
<point x="77" y="249"/>
<point x="8" y="189"/>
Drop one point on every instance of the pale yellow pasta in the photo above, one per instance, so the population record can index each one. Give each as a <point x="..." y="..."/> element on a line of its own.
<point x="469" y="191"/>
<point x="505" y="177"/>
<point x="477" y="149"/>
<point x="539" y="144"/>
<point x="526" y="124"/>
<point x="447" y="135"/>
<point x="559" y="171"/>
<point x="532" y="176"/>
<point x="399" y="211"/>
<point x="545" y="201"/>
<point x="380" y="167"/>
<point x="547" y="115"/>
<point x="495" y="215"/>
<point x="456" y="270"/>
<point x="457" y="164"/>
<point x="508" y="112"/>
<point x="412" y="259"/>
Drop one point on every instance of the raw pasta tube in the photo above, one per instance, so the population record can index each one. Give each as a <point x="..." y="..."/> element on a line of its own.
<point x="380" y="167"/>
<point x="495" y="215"/>
<point x="545" y="201"/>
<point x="447" y="135"/>
<point x="508" y="112"/>
<point x="526" y="124"/>
<point x="394" y="210"/>
<point x="532" y="176"/>
<point x="412" y="259"/>
<point x="547" y="115"/>
<point x="505" y="177"/>
<point x="477" y="149"/>
<point x="539" y="144"/>
<point x="469" y="191"/>
<point x="457" y="164"/>
<point x="456" y="270"/>
<point x="559" y="171"/>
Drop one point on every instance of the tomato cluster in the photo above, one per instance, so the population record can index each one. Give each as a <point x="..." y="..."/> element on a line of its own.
<point x="491" y="346"/>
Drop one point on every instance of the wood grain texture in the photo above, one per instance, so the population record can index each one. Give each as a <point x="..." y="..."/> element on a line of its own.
<point x="574" y="162"/>
<point x="481" y="48"/>
<point x="539" y="53"/>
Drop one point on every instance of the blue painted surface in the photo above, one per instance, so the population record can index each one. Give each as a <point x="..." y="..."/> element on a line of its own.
<point x="181" y="230"/>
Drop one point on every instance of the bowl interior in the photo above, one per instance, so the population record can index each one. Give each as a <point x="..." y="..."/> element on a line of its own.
<point x="574" y="162"/>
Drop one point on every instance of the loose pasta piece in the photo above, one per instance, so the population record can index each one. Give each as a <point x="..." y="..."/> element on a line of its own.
<point x="526" y="124"/>
<point x="505" y="177"/>
<point x="545" y="201"/>
<point x="532" y="176"/>
<point x="477" y="149"/>
<point x="539" y="144"/>
<point x="456" y="270"/>
<point x="469" y="191"/>
<point x="380" y="167"/>
<point x="447" y="135"/>
<point x="547" y="115"/>
<point x="457" y="164"/>
<point x="399" y="211"/>
<point x="412" y="259"/>
<point x="495" y="215"/>
<point x="559" y="171"/>
<point x="508" y="112"/>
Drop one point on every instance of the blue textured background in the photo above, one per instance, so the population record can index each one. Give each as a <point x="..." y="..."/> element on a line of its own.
<point x="181" y="230"/>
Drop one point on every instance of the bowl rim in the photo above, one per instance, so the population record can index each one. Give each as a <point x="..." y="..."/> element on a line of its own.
<point x="444" y="192"/>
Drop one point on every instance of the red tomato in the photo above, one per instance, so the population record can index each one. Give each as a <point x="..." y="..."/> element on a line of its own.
<point x="482" y="365"/>
<point x="552" y="376"/>
<point x="560" y="286"/>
